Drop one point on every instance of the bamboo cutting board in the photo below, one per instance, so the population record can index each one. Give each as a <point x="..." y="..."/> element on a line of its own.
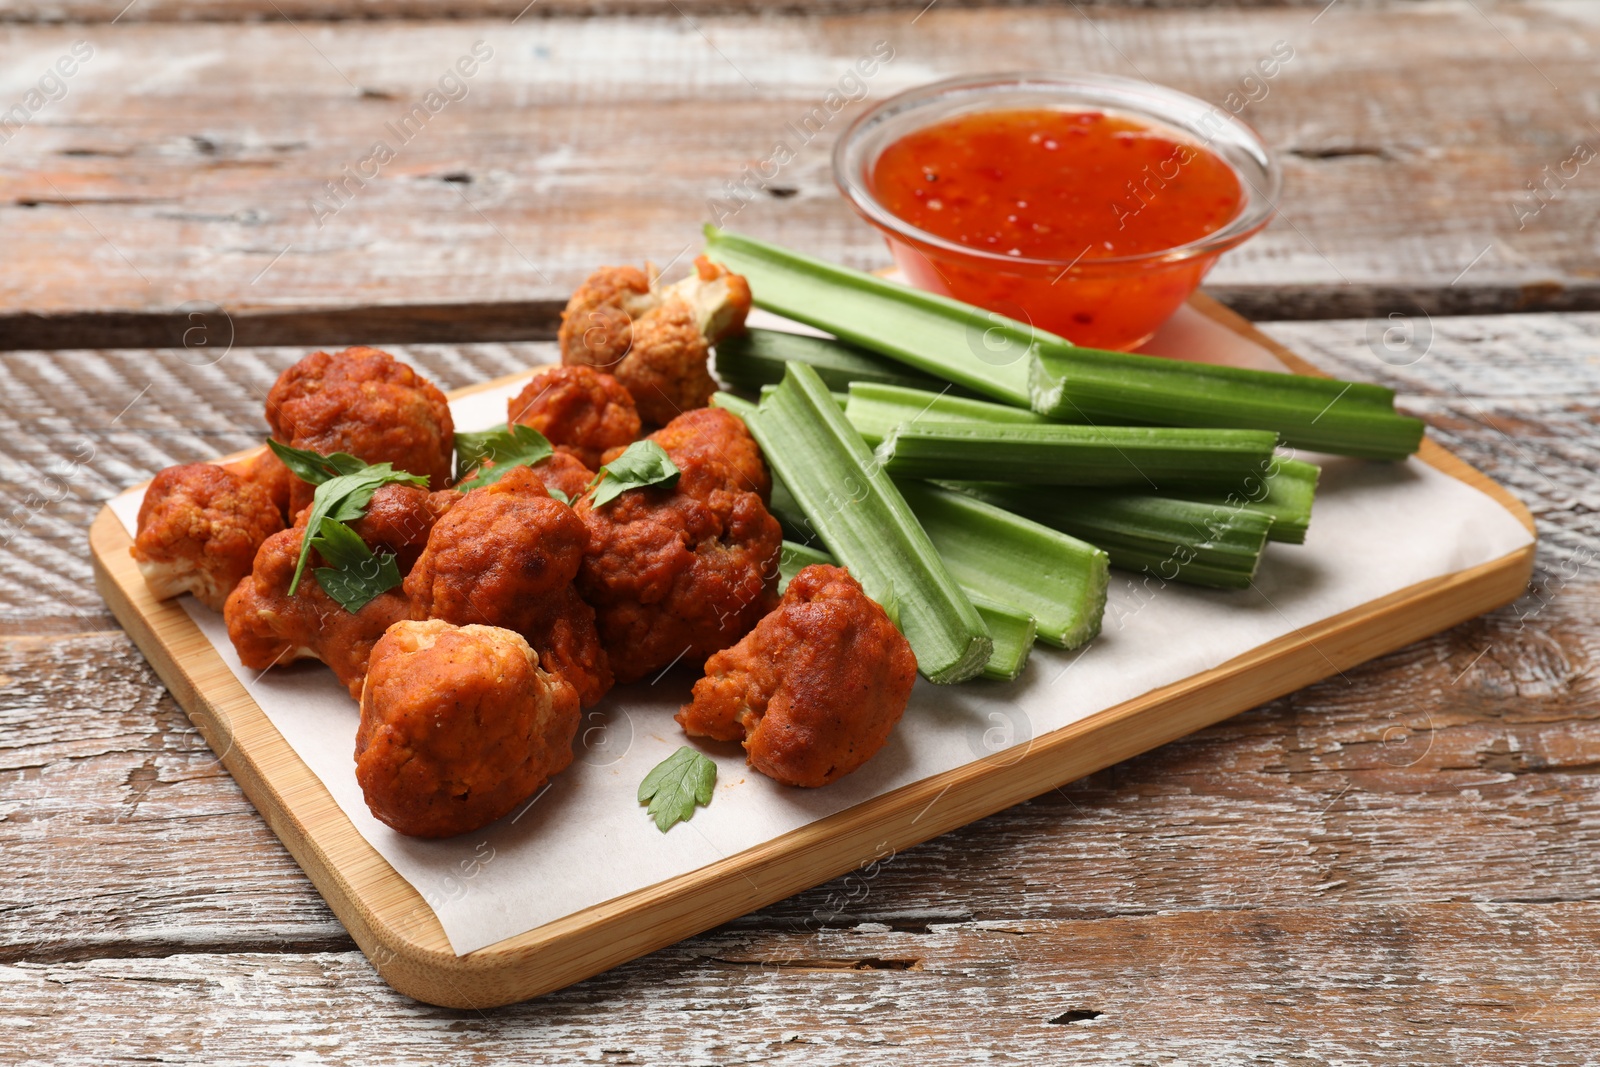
<point x="401" y="936"/>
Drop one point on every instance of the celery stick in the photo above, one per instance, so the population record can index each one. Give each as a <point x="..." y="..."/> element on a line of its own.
<point x="838" y="398"/>
<point x="1285" y="496"/>
<point x="1322" y="414"/>
<point x="1056" y="578"/>
<point x="756" y="357"/>
<point x="865" y="523"/>
<point x="980" y="350"/>
<point x="1174" y="540"/>
<point x="1012" y="630"/>
<point x="1013" y="633"/>
<point x="1154" y="458"/>
<point x="875" y="409"/>
<point x="1018" y="364"/>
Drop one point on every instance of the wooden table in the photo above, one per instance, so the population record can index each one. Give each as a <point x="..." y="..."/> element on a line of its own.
<point x="1398" y="865"/>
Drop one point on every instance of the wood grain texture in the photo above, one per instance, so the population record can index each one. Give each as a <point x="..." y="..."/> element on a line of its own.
<point x="97" y="11"/>
<point x="604" y="140"/>
<point x="1434" y="984"/>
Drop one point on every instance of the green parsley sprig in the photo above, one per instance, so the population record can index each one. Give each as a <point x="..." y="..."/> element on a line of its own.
<point x="644" y="463"/>
<point x="356" y="575"/>
<point x="507" y="447"/>
<point x="344" y="489"/>
<point x="678" y="784"/>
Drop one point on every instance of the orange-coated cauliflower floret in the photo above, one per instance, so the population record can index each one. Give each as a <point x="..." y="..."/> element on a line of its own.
<point x="579" y="410"/>
<point x="365" y="402"/>
<point x="677" y="574"/>
<point x="815" y="689"/>
<point x="459" y="725"/>
<point x="654" y="338"/>
<point x="198" y="531"/>
<point x="713" y="450"/>
<point x="270" y="628"/>
<point x="265" y="469"/>
<point x="505" y="555"/>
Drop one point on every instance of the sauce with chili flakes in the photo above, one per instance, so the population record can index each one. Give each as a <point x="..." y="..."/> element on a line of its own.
<point x="1068" y="187"/>
<point x="1056" y="184"/>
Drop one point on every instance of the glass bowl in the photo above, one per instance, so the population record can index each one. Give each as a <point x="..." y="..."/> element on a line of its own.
<point x="1112" y="302"/>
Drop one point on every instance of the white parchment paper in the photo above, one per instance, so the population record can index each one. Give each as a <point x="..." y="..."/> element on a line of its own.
<point x="1377" y="528"/>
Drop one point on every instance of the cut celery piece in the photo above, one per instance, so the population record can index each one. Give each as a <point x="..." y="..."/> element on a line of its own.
<point x="1154" y="458"/>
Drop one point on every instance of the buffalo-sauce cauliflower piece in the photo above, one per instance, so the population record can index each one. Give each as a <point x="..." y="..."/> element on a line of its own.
<point x="265" y="469"/>
<point x="198" y="531"/>
<point x="713" y="450"/>
<point x="365" y="402"/>
<point x="564" y="471"/>
<point x="678" y="573"/>
<point x="459" y="725"/>
<point x="815" y="689"/>
<point x="270" y="628"/>
<point x="505" y="555"/>
<point x="654" y="338"/>
<point x="580" y="410"/>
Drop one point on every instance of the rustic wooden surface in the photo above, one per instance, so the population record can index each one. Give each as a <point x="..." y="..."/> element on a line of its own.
<point x="1399" y="866"/>
<point x="180" y="165"/>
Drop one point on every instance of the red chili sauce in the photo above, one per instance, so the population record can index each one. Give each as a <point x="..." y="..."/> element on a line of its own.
<point x="1063" y="186"/>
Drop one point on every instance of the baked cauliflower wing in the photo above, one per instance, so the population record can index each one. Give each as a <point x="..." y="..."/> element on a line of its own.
<point x="815" y="689"/>
<point x="677" y="574"/>
<point x="365" y="402"/>
<point x="580" y="410"/>
<point x="505" y="555"/>
<point x="198" y="530"/>
<point x="655" y="339"/>
<point x="459" y="725"/>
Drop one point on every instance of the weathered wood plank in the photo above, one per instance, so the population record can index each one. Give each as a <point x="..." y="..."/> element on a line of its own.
<point x="589" y="141"/>
<point x="96" y="11"/>
<point x="1445" y="984"/>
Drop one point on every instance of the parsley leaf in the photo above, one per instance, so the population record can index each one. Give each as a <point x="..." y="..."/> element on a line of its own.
<point x="644" y="463"/>
<point x="558" y="494"/>
<point x="314" y="467"/>
<point x="344" y="498"/>
<point x="356" y="574"/>
<point x="508" y="447"/>
<point x="677" y="785"/>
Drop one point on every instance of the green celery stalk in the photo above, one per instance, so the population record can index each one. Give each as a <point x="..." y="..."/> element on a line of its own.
<point x="1012" y="630"/>
<point x="1018" y="364"/>
<point x="865" y="523"/>
<point x="1286" y="493"/>
<point x="945" y="338"/>
<point x="875" y="409"/>
<point x="838" y="398"/>
<point x="1321" y="414"/>
<point x="1056" y="578"/>
<point x="1188" y="541"/>
<point x="1154" y="458"/>
<point x="1285" y="496"/>
<point x="756" y="357"/>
